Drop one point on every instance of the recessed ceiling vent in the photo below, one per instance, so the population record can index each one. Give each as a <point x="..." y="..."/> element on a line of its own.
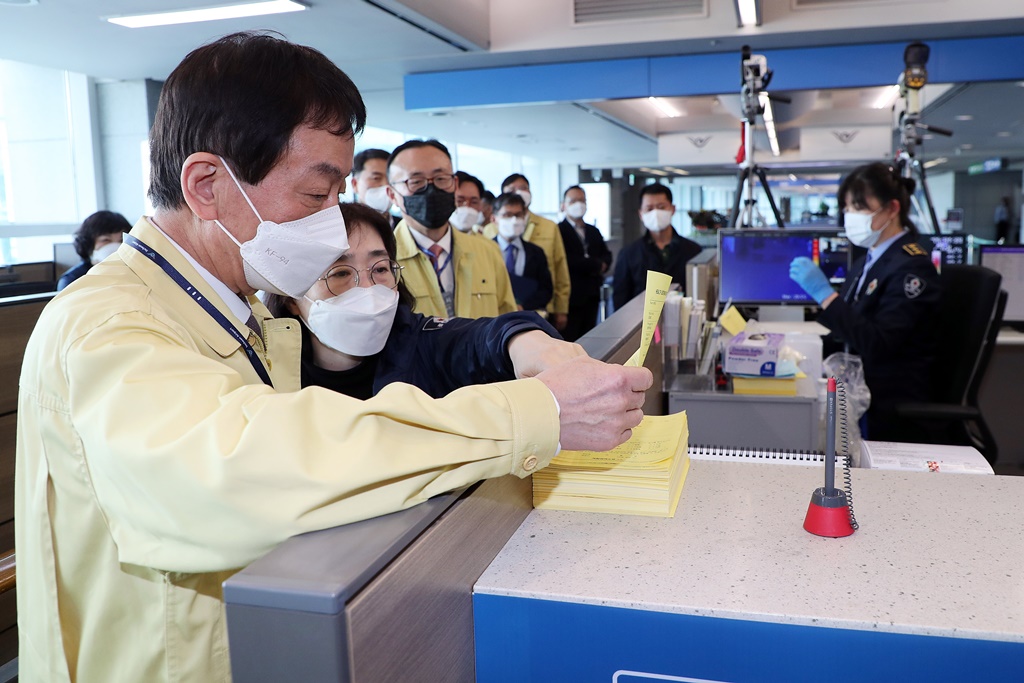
<point x="590" y="11"/>
<point x="19" y="3"/>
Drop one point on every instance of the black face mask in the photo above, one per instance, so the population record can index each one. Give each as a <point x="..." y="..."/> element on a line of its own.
<point x="430" y="207"/>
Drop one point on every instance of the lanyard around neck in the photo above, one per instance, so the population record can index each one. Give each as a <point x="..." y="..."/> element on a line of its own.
<point x="210" y="309"/>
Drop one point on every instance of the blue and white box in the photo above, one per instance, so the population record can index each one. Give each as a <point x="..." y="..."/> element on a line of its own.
<point x="754" y="354"/>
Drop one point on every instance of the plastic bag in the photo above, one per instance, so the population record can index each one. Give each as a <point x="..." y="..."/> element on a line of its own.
<point x="849" y="369"/>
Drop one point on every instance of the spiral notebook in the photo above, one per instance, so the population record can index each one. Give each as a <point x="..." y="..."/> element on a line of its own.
<point x="771" y="455"/>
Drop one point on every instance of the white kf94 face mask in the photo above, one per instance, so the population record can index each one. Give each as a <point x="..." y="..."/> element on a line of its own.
<point x="510" y="227"/>
<point x="465" y="217"/>
<point x="576" y="210"/>
<point x="657" y="220"/>
<point x="376" y="198"/>
<point x="287" y="258"/>
<point x="357" y="322"/>
<point x="858" y="228"/>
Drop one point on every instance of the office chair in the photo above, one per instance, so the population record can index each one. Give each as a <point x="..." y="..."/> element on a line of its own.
<point x="969" y="318"/>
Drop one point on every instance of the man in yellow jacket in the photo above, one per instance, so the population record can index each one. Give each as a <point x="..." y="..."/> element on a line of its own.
<point x="163" y="441"/>
<point x="545" y="234"/>
<point x="449" y="272"/>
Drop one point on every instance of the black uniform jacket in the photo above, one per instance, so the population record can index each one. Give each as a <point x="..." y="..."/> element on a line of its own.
<point x="643" y="255"/>
<point x="438" y="355"/>
<point x="890" y="322"/>
<point x="585" y="261"/>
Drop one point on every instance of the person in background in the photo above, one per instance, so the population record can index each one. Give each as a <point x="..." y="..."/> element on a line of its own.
<point x="450" y="273"/>
<point x="359" y="332"/>
<point x="661" y="248"/>
<point x="544" y="233"/>
<point x="163" y="440"/>
<point x="467" y="216"/>
<point x="1002" y="221"/>
<point x="98" y="237"/>
<point x="487" y="207"/>
<point x="370" y="179"/>
<point x="886" y="310"/>
<point x="589" y="259"/>
<point x="526" y="264"/>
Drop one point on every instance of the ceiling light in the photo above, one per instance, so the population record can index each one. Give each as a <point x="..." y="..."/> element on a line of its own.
<point x="252" y="9"/>
<point x="967" y="145"/>
<point x="664" y="107"/>
<point x="887" y="98"/>
<point x="677" y="170"/>
<point x="935" y="162"/>
<point x="748" y="12"/>
<point x="653" y="171"/>
<point x="792" y="177"/>
<point x="964" y="117"/>
<point x="769" y="122"/>
<point x="1004" y="134"/>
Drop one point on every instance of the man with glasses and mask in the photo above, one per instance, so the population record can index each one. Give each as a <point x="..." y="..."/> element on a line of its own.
<point x="163" y="439"/>
<point x="451" y="274"/>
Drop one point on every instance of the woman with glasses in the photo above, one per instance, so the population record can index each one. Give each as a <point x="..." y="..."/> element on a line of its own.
<point x="360" y="333"/>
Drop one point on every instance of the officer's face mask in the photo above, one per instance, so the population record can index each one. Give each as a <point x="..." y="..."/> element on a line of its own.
<point x="858" y="228"/>
<point x="287" y="258"/>
<point x="356" y="322"/>
<point x="430" y="207"/>
<point x="376" y="198"/>
<point x="465" y="217"/>
<point x="657" y="220"/>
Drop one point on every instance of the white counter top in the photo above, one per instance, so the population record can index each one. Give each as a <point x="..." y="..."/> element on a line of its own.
<point x="939" y="555"/>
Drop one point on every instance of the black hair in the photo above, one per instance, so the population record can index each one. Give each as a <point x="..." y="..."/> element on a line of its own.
<point x="359" y="160"/>
<point x="511" y="179"/>
<point x="463" y="177"/>
<point x="655" y="188"/>
<point x="880" y="181"/>
<point x="416" y="144"/>
<point x="355" y="215"/>
<point x="96" y="225"/>
<point x="242" y="97"/>
<point x="577" y="187"/>
<point x="506" y="198"/>
<point x="487" y="197"/>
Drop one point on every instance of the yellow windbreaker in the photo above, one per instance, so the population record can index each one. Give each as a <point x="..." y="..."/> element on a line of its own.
<point x="152" y="463"/>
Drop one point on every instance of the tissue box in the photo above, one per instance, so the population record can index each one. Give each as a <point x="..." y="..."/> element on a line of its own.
<point x="754" y="354"/>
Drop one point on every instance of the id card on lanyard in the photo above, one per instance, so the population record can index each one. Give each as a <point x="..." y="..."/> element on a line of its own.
<point x="211" y="310"/>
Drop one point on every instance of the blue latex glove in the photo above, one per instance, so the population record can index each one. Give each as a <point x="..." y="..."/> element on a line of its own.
<point x="811" y="278"/>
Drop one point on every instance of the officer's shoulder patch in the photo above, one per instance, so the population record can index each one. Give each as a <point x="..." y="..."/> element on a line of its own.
<point x="914" y="249"/>
<point x="434" y="323"/>
<point x="913" y="285"/>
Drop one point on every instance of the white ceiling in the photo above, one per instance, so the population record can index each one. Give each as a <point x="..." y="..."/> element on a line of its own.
<point x="377" y="49"/>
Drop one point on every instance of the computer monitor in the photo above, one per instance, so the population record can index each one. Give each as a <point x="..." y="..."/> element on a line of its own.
<point x="754" y="264"/>
<point x="1008" y="262"/>
<point x="945" y="249"/>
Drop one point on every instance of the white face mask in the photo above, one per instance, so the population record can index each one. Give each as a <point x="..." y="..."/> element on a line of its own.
<point x="525" y="194"/>
<point x="510" y="228"/>
<point x="858" y="228"/>
<point x="103" y="252"/>
<point x="357" y="322"/>
<point x="657" y="220"/>
<point x="576" y="210"/>
<point x="376" y="198"/>
<point x="465" y="217"/>
<point x="287" y="258"/>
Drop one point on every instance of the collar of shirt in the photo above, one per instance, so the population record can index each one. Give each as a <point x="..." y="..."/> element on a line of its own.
<point x="503" y="243"/>
<point x="425" y="242"/>
<point x="875" y="252"/>
<point x="239" y="307"/>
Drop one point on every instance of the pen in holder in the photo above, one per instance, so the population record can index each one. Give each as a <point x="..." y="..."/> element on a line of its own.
<point x="829" y="511"/>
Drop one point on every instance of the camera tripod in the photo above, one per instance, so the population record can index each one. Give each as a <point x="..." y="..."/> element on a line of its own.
<point x="906" y="165"/>
<point x="754" y="76"/>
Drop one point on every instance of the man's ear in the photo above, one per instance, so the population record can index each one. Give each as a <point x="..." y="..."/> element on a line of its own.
<point x="203" y="176"/>
<point x="395" y="198"/>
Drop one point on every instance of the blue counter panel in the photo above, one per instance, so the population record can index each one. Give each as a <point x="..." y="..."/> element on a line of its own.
<point x="540" y="641"/>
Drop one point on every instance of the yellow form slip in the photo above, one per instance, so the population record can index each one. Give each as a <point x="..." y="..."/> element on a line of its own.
<point x="643" y="476"/>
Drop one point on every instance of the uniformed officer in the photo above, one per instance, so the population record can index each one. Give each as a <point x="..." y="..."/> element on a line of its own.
<point x="887" y="308"/>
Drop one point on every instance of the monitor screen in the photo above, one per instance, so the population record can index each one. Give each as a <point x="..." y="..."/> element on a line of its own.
<point x="945" y="249"/>
<point x="754" y="264"/>
<point x="1008" y="262"/>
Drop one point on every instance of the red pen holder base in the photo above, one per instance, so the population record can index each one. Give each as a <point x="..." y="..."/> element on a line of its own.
<point x="828" y="515"/>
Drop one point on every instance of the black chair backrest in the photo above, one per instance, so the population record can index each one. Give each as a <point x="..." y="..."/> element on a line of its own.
<point x="970" y="295"/>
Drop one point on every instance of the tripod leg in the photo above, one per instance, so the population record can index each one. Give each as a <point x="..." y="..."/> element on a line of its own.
<point x="928" y="200"/>
<point x="771" y="199"/>
<point x="734" y="218"/>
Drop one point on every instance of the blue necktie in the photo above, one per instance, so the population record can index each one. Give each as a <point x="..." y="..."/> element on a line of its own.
<point x="511" y="251"/>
